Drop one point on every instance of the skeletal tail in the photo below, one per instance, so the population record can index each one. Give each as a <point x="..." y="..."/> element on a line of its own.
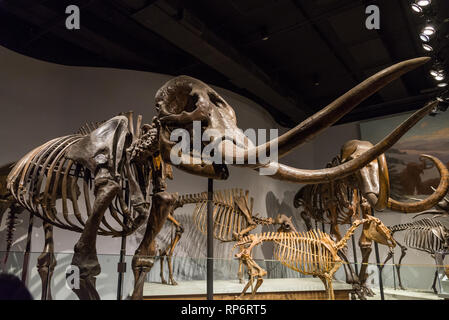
<point x="11" y="224"/>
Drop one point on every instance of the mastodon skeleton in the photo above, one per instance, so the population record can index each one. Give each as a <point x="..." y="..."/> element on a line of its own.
<point x="232" y="217"/>
<point x="425" y="235"/>
<point x="72" y="181"/>
<point x="312" y="253"/>
<point x="339" y="201"/>
<point x="112" y="152"/>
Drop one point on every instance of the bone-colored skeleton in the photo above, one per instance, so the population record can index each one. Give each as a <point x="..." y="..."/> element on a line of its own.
<point x="310" y="253"/>
<point x="232" y="219"/>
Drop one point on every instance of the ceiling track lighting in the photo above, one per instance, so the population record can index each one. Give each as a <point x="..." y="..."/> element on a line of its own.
<point x="416" y="8"/>
<point x="423" y="3"/>
<point x="428" y="30"/>
<point x="424" y="37"/>
<point x="419" y="5"/>
<point x="427" y="47"/>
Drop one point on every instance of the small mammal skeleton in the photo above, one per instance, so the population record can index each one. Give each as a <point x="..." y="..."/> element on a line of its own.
<point x="232" y="216"/>
<point x="310" y="253"/>
<point x="425" y="235"/>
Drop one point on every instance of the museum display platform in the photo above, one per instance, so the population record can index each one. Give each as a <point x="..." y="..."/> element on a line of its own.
<point x="272" y="289"/>
<point x="397" y="294"/>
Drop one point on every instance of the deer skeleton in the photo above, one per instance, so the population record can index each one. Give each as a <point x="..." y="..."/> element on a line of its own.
<point x="112" y="161"/>
<point x="425" y="235"/>
<point x="312" y="253"/>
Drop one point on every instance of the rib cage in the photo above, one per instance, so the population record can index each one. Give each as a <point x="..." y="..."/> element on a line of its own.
<point x="45" y="177"/>
<point x="420" y="235"/>
<point x="316" y="200"/>
<point x="227" y="216"/>
<point x="305" y="252"/>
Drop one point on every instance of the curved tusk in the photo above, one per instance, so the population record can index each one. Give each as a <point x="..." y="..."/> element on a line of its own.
<point x="315" y="124"/>
<point x="287" y="173"/>
<point x="432" y="200"/>
<point x="384" y="184"/>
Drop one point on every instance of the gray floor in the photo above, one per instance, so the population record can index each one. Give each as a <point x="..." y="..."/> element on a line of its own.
<point x="392" y="294"/>
<point x="234" y="287"/>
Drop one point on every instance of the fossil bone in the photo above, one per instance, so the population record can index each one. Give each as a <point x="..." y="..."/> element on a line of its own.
<point x="425" y="235"/>
<point x="310" y="253"/>
<point x="232" y="219"/>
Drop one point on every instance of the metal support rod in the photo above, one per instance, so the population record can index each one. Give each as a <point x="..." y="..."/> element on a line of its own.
<point x="26" y="256"/>
<point x="354" y="253"/>
<point x="376" y="249"/>
<point x="210" y="240"/>
<point x="394" y="273"/>
<point x="381" y="285"/>
<point x="121" y="267"/>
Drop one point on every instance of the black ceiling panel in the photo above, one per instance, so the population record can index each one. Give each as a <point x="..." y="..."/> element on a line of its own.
<point x="305" y="53"/>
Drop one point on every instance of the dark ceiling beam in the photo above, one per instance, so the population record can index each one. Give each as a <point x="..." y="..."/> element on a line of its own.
<point x="52" y="24"/>
<point x="388" y="42"/>
<point x="40" y="15"/>
<point x="342" y="6"/>
<point x="187" y="32"/>
<point x="328" y="35"/>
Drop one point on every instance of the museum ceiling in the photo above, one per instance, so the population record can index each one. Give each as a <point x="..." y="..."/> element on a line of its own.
<point x="284" y="54"/>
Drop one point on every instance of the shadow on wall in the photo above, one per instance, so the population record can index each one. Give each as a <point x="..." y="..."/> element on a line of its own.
<point x="277" y="206"/>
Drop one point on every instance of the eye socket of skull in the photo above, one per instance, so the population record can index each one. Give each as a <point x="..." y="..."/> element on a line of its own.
<point x="182" y="100"/>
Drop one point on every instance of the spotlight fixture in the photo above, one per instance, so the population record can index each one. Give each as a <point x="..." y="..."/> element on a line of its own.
<point x="434" y="73"/>
<point x="423" y="3"/>
<point x="424" y="37"/>
<point x="428" y="30"/>
<point x="427" y="47"/>
<point x="442" y="85"/>
<point x="440" y="77"/>
<point x="416" y="8"/>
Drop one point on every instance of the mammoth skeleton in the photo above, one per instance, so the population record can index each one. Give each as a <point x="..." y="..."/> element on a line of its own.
<point x="338" y="202"/>
<point x="112" y="160"/>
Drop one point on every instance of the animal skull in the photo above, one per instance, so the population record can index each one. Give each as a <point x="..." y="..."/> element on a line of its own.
<point x="183" y="100"/>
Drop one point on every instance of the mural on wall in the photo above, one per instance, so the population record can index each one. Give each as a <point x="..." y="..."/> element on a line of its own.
<point x="410" y="175"/>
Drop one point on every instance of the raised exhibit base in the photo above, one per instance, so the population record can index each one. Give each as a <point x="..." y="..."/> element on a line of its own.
<point x="271" y="289"/>
<point x="397" y="294"/>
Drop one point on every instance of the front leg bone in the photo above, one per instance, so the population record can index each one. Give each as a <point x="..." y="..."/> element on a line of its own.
<point x="162" y="205"/>
<point x="85" y="256"/>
